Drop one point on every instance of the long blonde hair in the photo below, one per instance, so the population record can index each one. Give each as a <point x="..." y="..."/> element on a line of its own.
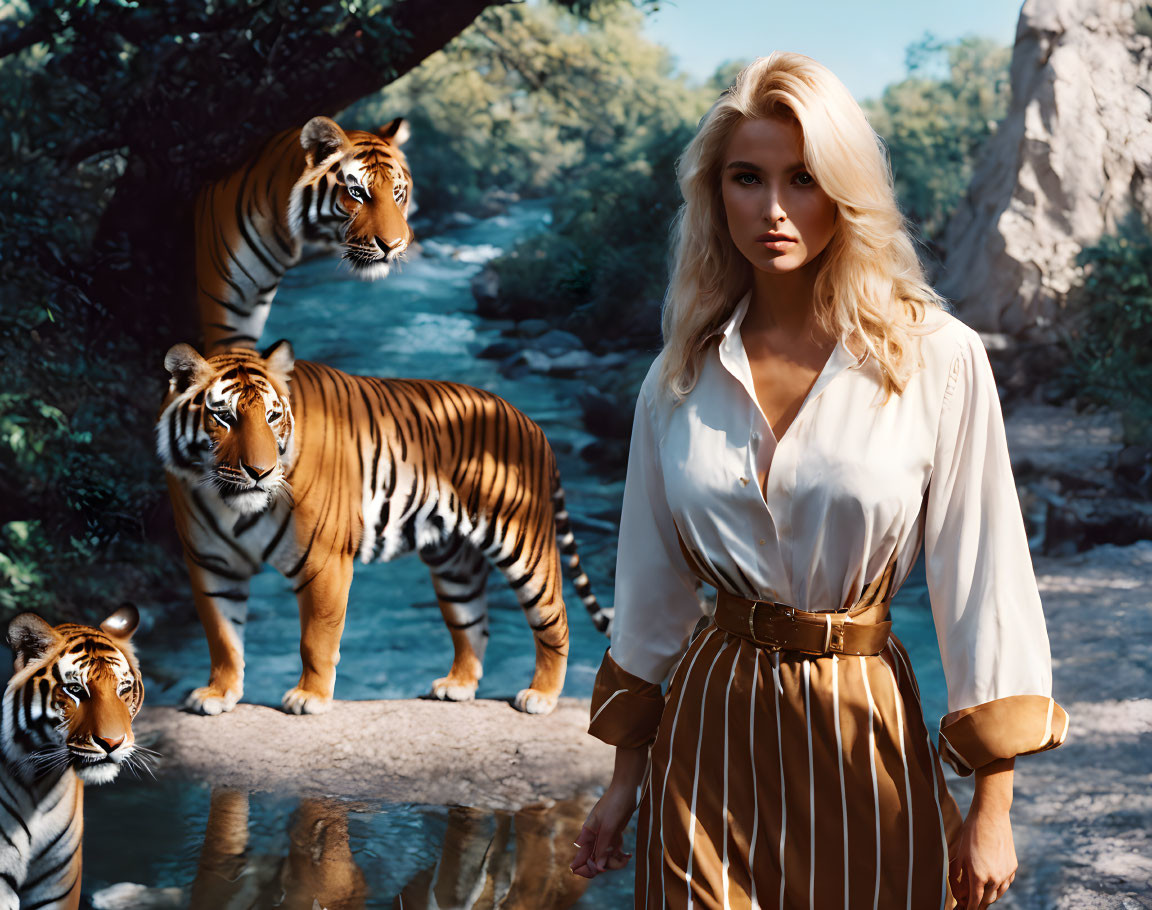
<point x="870" y="286"/>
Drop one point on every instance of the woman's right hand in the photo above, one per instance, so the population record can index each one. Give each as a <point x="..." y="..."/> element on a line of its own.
<point x="600" y="844"/>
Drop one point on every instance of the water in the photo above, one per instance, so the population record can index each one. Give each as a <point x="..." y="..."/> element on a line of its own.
<point x="285" y="852"/>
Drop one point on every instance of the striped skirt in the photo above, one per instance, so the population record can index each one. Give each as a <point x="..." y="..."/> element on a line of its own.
<point x="779" y="780"/>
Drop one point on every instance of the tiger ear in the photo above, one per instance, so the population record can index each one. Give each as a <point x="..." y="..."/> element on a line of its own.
<point x="30" y="637"/>
<point x="320" y="138"/>
<point x="280" y="358"/>
<point x="122" y="623"/>
<point x="397" y="132"/>
<point x="186" y="366"/>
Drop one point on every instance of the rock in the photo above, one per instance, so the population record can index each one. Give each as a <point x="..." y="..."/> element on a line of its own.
<point x="1068" y="163"/>
<point x="486" y="292"/>
<point x="483" y="753"/>
<point x="556" y="341"/>
<point x="606" y="415"/>
<point x="499" y="350"/>
<point x="1077" y="524"/>
<point x="532" y="328"/>
<point x="1077" y="449"/>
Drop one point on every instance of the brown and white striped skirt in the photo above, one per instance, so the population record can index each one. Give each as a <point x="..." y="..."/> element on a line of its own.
<point x="780" y="780"/>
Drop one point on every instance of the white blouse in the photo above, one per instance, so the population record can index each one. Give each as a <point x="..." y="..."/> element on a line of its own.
<point x="855" y="481"/>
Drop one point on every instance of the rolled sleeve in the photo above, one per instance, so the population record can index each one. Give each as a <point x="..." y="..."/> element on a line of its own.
<point x="1005" y="728"/>
<point x="625" y="708"/>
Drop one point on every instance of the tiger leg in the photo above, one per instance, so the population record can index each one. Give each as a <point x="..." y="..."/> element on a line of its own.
<point x="460" y="578"/>
<point x="322" y="597"/>
<point x="543" y="603"/>
<point x="222" y="605"/>
<point x="220" y="880"/>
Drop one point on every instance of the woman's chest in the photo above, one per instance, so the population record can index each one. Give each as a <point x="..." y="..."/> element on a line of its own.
<point x="846" y="452"/>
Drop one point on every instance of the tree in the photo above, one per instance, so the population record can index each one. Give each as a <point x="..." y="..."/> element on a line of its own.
<point x="936" y="120"/>
<point x="114" y="113"/>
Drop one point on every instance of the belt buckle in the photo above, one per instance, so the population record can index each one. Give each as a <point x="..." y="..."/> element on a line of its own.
<point x="771" y="643"/>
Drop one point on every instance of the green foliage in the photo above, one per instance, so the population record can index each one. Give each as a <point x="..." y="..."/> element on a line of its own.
<point x="525" y="98"/>
<point x="532" y="101"/>
<point x="1144" y="19"/>
<point x="1110" y="340"/>
<point x="935" y="122"/>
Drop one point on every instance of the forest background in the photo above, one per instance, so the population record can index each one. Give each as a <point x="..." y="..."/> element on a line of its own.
<point x="113" y="114"/>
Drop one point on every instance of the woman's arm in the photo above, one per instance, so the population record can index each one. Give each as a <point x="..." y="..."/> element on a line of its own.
<point x="984" y="864"/>
<point x="599" y="846"/>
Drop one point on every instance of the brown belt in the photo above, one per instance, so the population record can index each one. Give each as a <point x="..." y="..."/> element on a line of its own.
<point x="862" y="631"/>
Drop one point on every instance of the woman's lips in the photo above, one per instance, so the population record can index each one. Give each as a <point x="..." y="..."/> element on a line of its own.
<point x="775" y="241"/>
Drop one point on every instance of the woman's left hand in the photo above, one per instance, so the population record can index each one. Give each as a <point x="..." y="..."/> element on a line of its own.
<point x="984" y="863"/>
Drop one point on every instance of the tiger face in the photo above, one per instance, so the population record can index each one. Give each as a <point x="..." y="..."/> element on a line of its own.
<point x="227" y="423"/>
<point x="356" y="190"/>
<point x="73" y="695"/>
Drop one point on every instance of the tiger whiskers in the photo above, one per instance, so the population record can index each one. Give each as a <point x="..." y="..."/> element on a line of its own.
<point x="141" y="759"/>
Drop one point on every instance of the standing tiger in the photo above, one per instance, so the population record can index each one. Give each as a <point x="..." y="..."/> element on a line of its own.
<point x="67" y="721"/>
<point x="306" y="467"/>
<point x="315" y="184"/>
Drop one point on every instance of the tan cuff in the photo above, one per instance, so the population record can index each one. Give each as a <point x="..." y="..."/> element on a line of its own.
<point x="1004" y="728"/>
<point x="625" y="708"/>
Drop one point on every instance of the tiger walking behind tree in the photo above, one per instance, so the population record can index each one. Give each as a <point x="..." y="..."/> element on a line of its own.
<point x="306" y="467"/>
<point x="316" y="184"/>
<point x="67" y="721"/>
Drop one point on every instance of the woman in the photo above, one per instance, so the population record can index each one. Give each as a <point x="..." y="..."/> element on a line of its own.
<point x="813" y="416"/>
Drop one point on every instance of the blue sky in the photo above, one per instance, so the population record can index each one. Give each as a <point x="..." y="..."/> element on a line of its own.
<point x="861" y="42"/>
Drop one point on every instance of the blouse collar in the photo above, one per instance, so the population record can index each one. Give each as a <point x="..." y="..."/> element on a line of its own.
<point x="735" y="359"/>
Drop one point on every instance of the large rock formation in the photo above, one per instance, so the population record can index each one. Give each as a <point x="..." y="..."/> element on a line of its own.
<point x="1069" y="162"/>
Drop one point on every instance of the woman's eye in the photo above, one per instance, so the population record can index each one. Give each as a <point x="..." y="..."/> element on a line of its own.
<point x="747" y="179"/>
<point x="804" y="179"/>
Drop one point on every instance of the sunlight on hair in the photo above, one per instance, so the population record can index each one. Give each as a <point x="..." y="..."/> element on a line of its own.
<point x="870" y="288"/>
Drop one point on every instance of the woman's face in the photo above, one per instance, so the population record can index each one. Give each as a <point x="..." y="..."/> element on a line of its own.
<point x="779" y="219"/>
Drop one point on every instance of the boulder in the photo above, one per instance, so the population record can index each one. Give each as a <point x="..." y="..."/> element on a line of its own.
<point x="1070" y="161"/>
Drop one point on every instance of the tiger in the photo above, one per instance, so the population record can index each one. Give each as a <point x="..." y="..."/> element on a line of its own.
<point x="66" y="721"/>
<point x="317" y="184"/>
<point x="305" y="467"/>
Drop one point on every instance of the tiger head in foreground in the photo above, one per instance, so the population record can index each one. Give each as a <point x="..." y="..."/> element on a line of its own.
<point x="66" y="721"/>
<point x="306" y="467"/>
<point x="317" y="184"/>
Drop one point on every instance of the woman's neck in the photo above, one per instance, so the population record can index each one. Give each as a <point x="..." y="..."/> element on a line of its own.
<point x="783" y="303"/>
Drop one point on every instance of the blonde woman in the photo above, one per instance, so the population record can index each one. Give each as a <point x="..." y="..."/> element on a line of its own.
<point x="813" y="417"/>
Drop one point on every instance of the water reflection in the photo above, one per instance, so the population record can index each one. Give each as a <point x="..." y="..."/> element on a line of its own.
<point x="318" y="870"/>
<point x="512" y="861"/>
<point x="487" y="860"/>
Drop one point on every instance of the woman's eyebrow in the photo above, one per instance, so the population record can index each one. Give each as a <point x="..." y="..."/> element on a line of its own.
<point x="749" y="166"/>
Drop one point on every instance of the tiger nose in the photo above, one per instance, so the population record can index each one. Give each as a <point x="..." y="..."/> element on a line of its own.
<point x="256" y="473"/>
<point x="109" y="745"/>
<point x="396" y="246"/>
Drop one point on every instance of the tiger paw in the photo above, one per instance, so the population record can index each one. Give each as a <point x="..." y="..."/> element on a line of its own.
<point x="449" y="689"/>
<point x="533" y="701"/>
<point x="301" y="701"/>
<point x="211" y="700"/>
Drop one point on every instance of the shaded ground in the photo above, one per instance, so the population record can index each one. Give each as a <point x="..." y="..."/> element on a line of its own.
<point x="484" y="753"/>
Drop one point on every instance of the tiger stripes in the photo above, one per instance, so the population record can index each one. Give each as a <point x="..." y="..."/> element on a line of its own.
<point x="316" y="184"/>
<point x="66" y="721"/>
<point x="305" y="467"/>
